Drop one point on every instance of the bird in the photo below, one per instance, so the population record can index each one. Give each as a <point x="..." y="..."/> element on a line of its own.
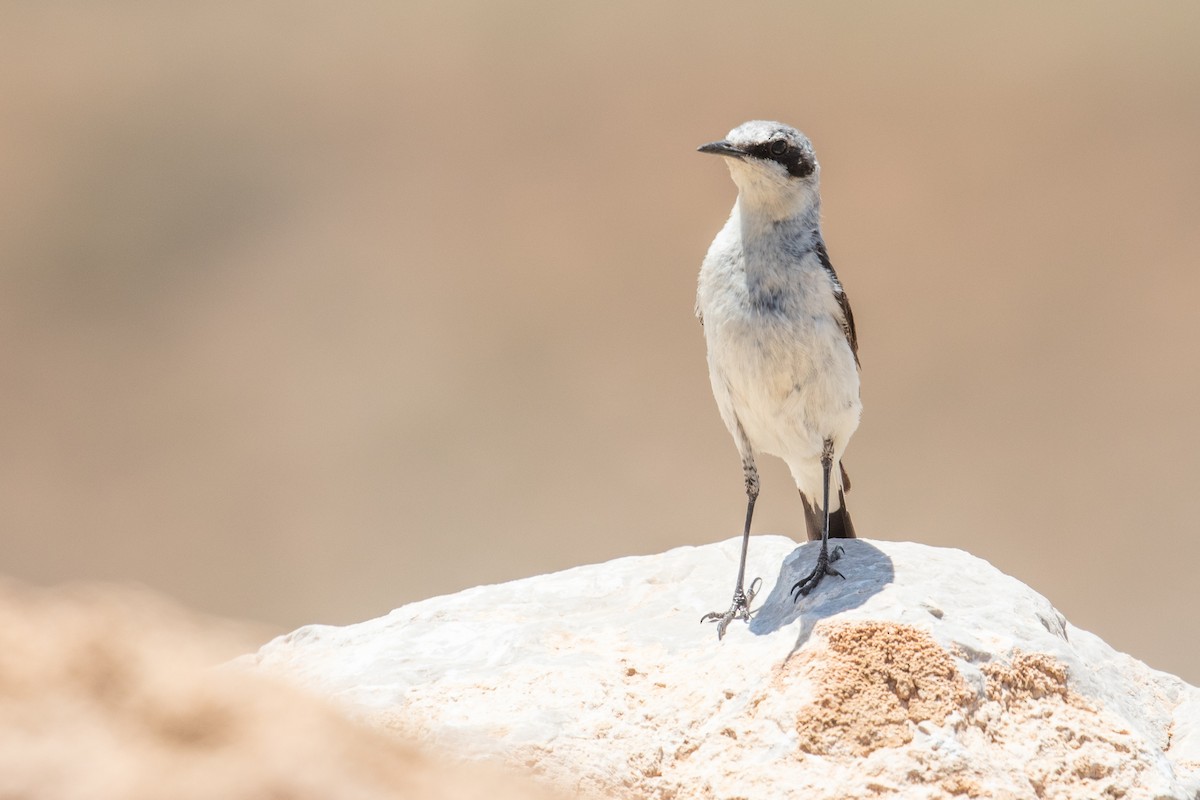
<point x="782" y="347"/>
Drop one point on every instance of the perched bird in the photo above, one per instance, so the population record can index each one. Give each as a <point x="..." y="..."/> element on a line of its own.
<point x="782" y="351"/>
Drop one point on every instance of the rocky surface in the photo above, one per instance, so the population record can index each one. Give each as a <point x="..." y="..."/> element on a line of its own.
<point x="108" y="693"/>
<point x="925" y="673"/>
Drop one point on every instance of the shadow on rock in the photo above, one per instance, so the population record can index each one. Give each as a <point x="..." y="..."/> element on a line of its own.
<point x="866" y="568"/>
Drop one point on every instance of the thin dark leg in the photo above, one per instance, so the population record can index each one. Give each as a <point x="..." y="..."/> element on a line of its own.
<point x="824" y="562"/>
<point x="751" y="495"/>
<point x="740" y="608"/>
<point x="826" y="463"/>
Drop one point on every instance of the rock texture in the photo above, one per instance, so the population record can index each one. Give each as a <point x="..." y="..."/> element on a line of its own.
<point x="112" y="694"/>
<point x="926" y="673"/>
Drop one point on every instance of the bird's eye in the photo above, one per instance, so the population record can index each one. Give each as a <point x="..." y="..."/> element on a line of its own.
<point x="779" y="147"/>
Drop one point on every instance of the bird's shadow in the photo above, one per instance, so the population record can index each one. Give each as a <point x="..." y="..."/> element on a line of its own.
<point x="866" y="568"/>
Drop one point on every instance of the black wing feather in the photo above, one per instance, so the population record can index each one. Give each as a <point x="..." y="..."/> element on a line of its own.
<point x="843" y="301"/>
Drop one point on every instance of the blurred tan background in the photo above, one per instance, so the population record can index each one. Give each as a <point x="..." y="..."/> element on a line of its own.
<point x="309" y="311"/>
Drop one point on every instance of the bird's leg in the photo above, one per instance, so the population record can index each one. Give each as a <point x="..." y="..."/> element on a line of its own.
<point x="824" y="561"/>
<point x="740" y="608"/>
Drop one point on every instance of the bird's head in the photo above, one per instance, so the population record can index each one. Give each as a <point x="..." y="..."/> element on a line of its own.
<point x="772" y="164"/>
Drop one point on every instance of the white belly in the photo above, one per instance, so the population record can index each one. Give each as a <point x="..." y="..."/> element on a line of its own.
<point x="790" y="384"/>
<point x="783" y="373"/>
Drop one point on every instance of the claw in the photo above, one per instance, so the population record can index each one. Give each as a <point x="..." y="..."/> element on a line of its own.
<point x="739" y="609"/>
<point x="823" y="567"/>
<point x="755" y="585"/>
<point x="723" y="620"/>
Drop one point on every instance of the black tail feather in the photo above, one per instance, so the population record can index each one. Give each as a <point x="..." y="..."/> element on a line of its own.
<point x="840" y="524"/>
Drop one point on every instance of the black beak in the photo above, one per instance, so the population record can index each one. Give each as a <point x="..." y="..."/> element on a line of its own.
<point x="722" y="148"/>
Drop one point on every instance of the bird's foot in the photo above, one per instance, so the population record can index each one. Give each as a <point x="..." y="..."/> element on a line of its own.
<point x="740" y="609"/>
<point x="824" y="567"/>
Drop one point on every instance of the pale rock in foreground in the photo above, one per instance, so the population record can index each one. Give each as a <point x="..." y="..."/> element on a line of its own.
<point x="926" y="672"/>
<point x="112" y="693"/>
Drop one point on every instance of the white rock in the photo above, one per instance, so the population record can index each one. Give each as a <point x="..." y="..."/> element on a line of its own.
<point x="925" y="672"/>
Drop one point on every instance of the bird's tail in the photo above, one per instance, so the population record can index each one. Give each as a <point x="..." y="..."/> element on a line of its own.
<point x="840" y="524"/>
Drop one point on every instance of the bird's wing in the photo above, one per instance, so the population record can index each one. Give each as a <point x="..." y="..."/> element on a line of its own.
<point x="843" y="301"/>
<point x="848" y="324"/>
